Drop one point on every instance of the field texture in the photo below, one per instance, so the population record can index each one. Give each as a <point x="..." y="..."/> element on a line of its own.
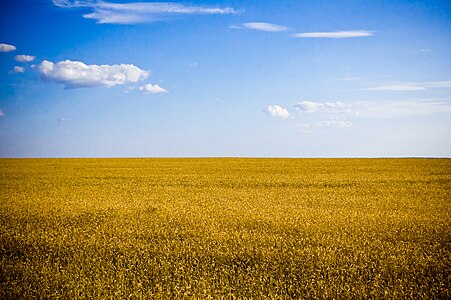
<point x="225" y="228"/>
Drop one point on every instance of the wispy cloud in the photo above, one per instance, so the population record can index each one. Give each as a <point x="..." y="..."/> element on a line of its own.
<point x="2" y="114"/>
<point x="336" y="107"/>
<point x="333" y="122"/>
<point x="412" y="86"/>
<point x="7" y="48"/>
<point x="277" y="111"/>
<point x="261" y="26"/>
<point x="334" y="34"/>
<point x="152" y="89"/>
<point x="374" y="109"/>
<point x="398" y="88"/>
<point x="24" y="58"/>
<point x="308" y="106"/>
<point x="438" y="84"/>
<point x="330" y="114"/>
<point x="75" y="74"/>
<point x="139" y="12"/>
<point x="408" y="108"/>
<point x="366" y="110"/>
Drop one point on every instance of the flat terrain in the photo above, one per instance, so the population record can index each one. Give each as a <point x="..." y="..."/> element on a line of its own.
<point x="225" y="228"/>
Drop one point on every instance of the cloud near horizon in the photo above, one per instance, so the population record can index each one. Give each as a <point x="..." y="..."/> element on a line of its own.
<point x="277" y="111"/>
<point x="334" y="34"/>
<point x="7" y="48"/>
<point x="76" y="74"/>
<point x="139" y="12"/>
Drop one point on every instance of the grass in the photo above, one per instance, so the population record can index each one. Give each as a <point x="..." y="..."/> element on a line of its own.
<point x="225" y="228"/>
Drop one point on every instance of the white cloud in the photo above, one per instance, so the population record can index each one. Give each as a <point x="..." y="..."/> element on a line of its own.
<point x="152" y="89"/>
<point x="18" y="69"/>
<point x="327" y="107"/>
<point x="264" y="27"/>
<point x="334" y="34"/>
<point x="277" y="111"/>
<point x="2" y="113"/>
<point x="412" y="86"/>
<point x="7" y="48"/>
<point x="138" y="12"/>
<point x="75" y="74"/>
<point x="24" y="58"/>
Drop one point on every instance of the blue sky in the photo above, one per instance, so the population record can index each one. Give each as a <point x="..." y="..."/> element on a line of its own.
<point x="288" y="78"/>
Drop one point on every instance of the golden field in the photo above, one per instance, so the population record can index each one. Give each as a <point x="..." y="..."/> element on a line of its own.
<point x="224" y="228"/>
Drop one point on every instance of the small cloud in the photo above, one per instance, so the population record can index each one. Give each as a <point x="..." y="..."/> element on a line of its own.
<point x="261" y="26"/>
<point x="2" y="114"/>
<point x="24" y="58"/>
<point x="105" y="12"/>
<point x="425" y="50"/>
<point x="277" y="111"/>
<point x="7" y="48"/>
<point x="75" y="74"/>
<point x="152" y="89"/>
<point x="18" y="69"/>
<point x="335" y="34"/>
<point x="193" y="64"/>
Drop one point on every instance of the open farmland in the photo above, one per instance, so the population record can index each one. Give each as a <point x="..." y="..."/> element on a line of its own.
<point x="225" y="228"/>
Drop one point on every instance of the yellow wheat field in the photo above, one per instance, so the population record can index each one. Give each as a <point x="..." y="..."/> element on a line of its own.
<point x="225" y="228"/>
